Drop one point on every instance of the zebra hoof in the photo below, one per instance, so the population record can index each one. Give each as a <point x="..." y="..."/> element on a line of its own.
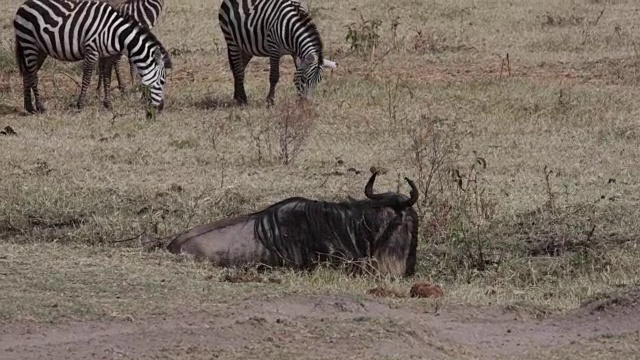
<point x="40" y="108"/>
<point x="270" y="102"/>
<point x="76" y="105"/>
<point x="106" y="104"/>
<point x="241" y="101"/>
<point x="151" y="115"/>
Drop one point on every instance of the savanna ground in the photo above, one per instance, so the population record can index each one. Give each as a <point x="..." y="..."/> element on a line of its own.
<point x="528" y="170"/>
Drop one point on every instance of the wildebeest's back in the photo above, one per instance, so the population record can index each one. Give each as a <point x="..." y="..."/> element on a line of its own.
<point x="300" y="232"/>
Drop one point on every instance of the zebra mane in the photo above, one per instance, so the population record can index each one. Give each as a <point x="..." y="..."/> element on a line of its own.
<point x="298" y="6"/>
<point x="310" y="26"/>
<point x="149" y="34"/>
<point x="129" y="18"/>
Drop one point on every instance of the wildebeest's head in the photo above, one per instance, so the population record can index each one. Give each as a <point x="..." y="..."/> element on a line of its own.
<point x="394" y="224"/>
<point x="297" y="232"/>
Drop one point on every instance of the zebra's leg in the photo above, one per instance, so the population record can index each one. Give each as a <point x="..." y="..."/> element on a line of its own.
<point x="26" y="90"/>
<point x="274" y="76"/>
<point x="27" y="84"/>
<point x="238" y="62"/>
<point x="105" y="75"/>
<point x="34" y="83"/>
<point x="101" y="62"/>
<point x="116" y="68"/>
<point x="132" y="74"/>
<point x="90" y="59"/>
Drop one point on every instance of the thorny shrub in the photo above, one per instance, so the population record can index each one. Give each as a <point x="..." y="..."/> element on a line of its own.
<point x="464" y="237"/>
<point x="293" y="123"/>
<point x="456" y="210"/>
<point x="289" y="123"/>
<point x="364" y="35"/>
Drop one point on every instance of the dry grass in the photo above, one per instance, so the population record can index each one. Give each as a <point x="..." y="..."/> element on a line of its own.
<point x="529" y="180"/>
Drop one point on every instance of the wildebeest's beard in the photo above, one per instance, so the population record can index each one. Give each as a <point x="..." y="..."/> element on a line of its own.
<point x="301" y="233"/>
<point x="396" y="241"/>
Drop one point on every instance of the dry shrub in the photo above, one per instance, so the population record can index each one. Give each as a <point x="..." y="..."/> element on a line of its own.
<point x="293" y="121"/>
<point x="260" y="132"/>
<point x="454" y="206"/>
<point x="282" y="134"/>
<point x="363" y="36"/>
<point x="465" y="238"/>
<point x="426" y="42"/>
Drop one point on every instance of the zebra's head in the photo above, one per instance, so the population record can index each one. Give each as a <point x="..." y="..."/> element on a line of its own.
<point x="309" y="74"/>
<point x="156" y="79"/>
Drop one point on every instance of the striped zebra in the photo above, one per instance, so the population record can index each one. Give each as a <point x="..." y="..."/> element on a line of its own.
<point x="69" y="30"/>
<point x="272" y="28"/>
<point x="146" y="12"/>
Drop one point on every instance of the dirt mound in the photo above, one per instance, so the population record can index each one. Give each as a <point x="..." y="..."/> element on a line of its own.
<point x="615" y="305"/>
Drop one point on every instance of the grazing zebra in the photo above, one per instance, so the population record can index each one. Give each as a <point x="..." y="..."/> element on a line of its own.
<point x="146" y="12"/>
<point x="70" y="30"/>
<point x="272" y="28"/>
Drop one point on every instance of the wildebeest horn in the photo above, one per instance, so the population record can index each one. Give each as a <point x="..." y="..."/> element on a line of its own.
<point x="414" y="194"/>
<point x="368" y="190"/>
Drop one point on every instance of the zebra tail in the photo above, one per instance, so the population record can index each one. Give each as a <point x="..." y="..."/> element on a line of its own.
<point x="22" y="64"/>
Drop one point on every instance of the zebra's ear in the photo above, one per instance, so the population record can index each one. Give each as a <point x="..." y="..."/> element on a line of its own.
<point x="168" y="64"/>
<point x="308" y="60"/>
<point x="162" y="57"/>
<point x="157" y="56"/>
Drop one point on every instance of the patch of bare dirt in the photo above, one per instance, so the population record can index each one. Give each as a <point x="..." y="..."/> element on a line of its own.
<point x="321" y="327"/>
<point x="384" y="292"/>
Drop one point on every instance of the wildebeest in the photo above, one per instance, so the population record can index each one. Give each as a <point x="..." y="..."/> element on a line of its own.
<point x="378" y="233"/>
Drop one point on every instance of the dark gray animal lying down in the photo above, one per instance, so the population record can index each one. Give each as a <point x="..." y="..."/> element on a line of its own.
<point x="299" y="233"/>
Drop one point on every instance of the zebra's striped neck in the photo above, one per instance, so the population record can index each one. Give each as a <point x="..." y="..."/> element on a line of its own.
<point x="306" y="40"/>
<point x="148" y="57"/>
<point x="139" y="44"/>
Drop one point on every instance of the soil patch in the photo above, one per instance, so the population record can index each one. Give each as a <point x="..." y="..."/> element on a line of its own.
<point x="322" y="326"/>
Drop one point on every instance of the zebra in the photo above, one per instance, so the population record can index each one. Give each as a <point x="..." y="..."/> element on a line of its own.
<point x="69" y="30"/>
<point x="146" y="12"/>
<point x="272" y="28"/>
